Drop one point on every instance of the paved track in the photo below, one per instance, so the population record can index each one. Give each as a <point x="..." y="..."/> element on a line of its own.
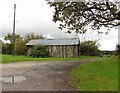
<point x="40" y="76"/>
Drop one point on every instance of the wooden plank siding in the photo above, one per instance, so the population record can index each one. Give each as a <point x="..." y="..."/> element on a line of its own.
<point x="64" y="51"/>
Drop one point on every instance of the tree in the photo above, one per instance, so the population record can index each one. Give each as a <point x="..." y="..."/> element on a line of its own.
<point x="31" y="36"/>
<point x="12" y="44"/>
<point x="6" y="48"/>
<point x="75" y="16"/>
<point x="118" y="49"/>
<point x="0" y="46"/>
<point x="10" y="37"/>
<point x="20" y="47"/>
<point x="20" y="43"/>
<point x="89" y="48"/>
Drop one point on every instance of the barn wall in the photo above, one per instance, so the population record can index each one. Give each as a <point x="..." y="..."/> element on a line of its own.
<point x="63" y="51"/>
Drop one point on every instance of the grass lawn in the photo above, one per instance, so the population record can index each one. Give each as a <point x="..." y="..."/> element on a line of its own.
<point x="10" y="58"/>
<point x="100" y="75"/>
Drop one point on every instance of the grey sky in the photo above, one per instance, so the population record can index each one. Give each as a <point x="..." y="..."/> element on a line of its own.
<point x="36" y="16"/>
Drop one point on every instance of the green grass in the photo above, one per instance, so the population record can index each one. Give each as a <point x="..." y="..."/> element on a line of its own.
<point x="10" y="58"/>
<point x="100" y="75"/>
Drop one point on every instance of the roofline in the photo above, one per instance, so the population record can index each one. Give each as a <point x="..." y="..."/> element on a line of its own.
<point x="28" y="44"/>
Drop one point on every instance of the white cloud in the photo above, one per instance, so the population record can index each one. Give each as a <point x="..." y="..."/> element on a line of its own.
<point x="108" y="44"/>
<point x="36" y="16"/>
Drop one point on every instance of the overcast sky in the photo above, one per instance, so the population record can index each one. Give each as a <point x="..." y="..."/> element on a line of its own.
<point x="35" y="16"/>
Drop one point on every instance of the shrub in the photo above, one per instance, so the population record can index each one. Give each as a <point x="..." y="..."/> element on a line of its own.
<point x="20" y="47"/>
<point x="6" y="48"/>
<point x="38" y="51"/>
<point x="118" y="50"/>
<point x="89" y="48"/>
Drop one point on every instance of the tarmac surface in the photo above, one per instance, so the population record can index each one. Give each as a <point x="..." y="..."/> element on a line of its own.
<point x="38" y="76"/>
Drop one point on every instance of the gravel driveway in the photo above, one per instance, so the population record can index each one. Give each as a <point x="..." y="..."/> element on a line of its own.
<point x="40" y="76"/>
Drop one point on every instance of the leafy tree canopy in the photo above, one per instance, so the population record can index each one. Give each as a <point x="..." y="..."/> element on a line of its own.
<point x="20" y="43"/>
<point x="18" y="37"/>
<point x="10" y="37"/>
<point x="75" y="16"/>
<point x="31" y="36"/>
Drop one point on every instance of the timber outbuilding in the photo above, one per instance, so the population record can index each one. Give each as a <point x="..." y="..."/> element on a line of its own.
<point x="63" y="48"/>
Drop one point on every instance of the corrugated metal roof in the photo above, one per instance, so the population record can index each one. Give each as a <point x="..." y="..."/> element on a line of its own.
<point x="70" y="41"/>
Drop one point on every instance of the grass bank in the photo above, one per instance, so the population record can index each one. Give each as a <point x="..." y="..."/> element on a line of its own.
<point x="10" y="58"/>
<point x="101" y="75"/>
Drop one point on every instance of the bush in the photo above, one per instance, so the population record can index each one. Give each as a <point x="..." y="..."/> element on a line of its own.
<point x="89" y="48"/>
<point x="38" y="51"/>
<point x="118" y="50"/>
<point x="6" y="48"/>
<point x="20" y="47"/>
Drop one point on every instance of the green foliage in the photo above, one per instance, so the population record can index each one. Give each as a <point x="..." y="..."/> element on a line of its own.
<point x="0" y="47"/>
<point x="75" y="16"/>
<point x="20" y="47"/>
<point x="38" y="51"/>
<point x="118" y="50"/>
<point x="20" y="43"/>
<point x="10" y="37"/>
<point x="101" y="75"/>
<point x="89" y="48"/>
<point x="6" y="48"/>
<point x="31" y="36"/>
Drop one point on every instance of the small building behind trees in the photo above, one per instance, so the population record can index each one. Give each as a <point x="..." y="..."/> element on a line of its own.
<point x="63" y="48"/>
<point x="107" y="52"/>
